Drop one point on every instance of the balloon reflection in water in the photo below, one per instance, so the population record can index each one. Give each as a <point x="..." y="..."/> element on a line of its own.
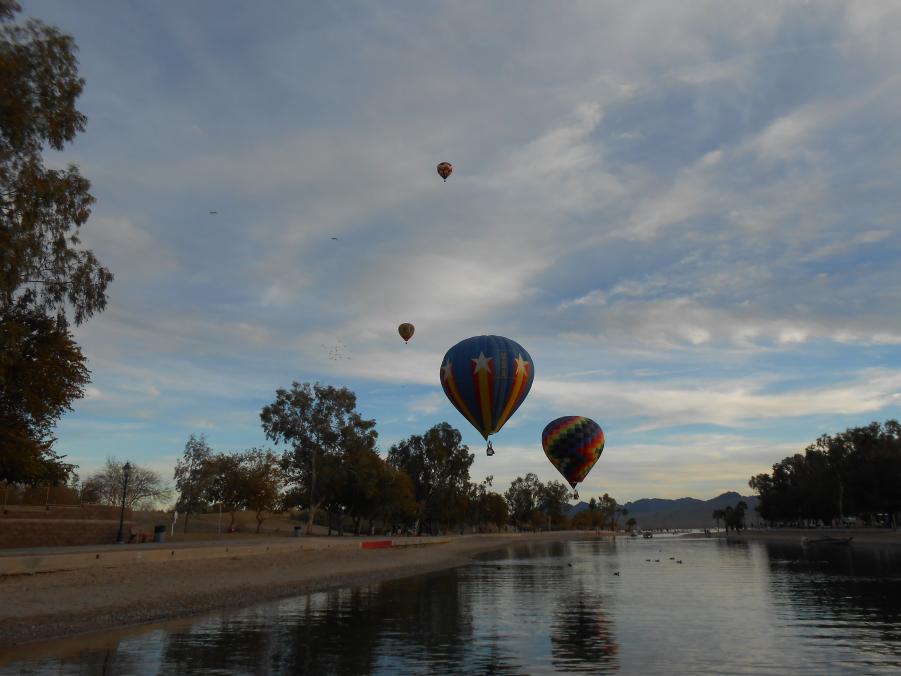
<point x="582" y="637"/>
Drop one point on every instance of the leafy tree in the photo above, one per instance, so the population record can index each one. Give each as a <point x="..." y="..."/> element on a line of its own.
<point x="398" y="497"/>
<point x="145" y="487"/>
<point x="734" y="517"/>
<point x="493" y="510"/>
<point x="319" y="422"/>
<point x="523" y="499"/>
<point x="717" y="515"/>
<point x="551" y="498"/>
<point x="486" y="508"/>
<point x="41" y="210"/>
<point x="193" y="475"/>
<point x="41" y="371"/>
<point x="631" y="523"/>
<point x="857" y="471"/>
<point x="261" y="479"/>
<point x="42" y="269"/>
<point x="226" y="485"/>
<point x="607" y="509"/>
<point x="438" y="463"/>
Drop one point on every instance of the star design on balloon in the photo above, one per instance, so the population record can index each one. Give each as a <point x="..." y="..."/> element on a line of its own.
<point x="447" y="371"/>
<point x="481" y="363"/>
<point x="520" y="363"/>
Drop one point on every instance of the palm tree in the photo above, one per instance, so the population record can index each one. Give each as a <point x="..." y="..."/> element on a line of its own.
<point x="738" y="516"/>
<point x="729" y="518"/>
<point x="718" y="514"/>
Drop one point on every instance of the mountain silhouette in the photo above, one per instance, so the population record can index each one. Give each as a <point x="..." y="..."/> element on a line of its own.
<point x="681" y="512"/>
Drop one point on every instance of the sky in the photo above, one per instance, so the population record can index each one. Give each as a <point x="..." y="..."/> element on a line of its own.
<point x="686" y="212"/>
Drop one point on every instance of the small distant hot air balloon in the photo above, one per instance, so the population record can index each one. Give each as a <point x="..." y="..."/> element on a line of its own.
<point x="445" y="169"/>
<point x="487" y="378"/>
<point x="406" y="331"/>
<point x="573" y="444"/>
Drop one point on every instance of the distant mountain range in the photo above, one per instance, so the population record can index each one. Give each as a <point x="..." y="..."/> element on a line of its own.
<point x="680" y="513"/>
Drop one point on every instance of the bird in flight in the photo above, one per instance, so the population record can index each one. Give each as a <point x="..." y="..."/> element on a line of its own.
<point x="335" y="238"/>
<point x="214" y="212"/>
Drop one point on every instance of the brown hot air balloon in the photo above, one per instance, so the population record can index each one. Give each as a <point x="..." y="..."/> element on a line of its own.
<point x="445" y="169"/>
<point x="406" y="331"/>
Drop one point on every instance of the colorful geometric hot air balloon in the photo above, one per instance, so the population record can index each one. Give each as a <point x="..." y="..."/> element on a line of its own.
<point x="445" y="169"/>
<point x="487" y="378"/>
<point x="406" y="331"/>
<point x="573" y="444"/>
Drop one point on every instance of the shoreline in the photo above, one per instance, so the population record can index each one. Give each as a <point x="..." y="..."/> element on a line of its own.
<point x="868" y="537"/>
<point x="62" y="604"/>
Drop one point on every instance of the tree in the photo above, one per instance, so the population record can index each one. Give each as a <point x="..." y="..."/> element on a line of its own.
<point x="717" y="515"/>
<point x="551" y="498"/>
<point x="42" y="269"/>
<point x="41" y="371"/>
<point x="631" y="523"/>
<point x="193" y="474"/>
<point x="438" y="463"/>
<point x="522" y="499"/>
<point x="145" y="487"/>
<point x="398" y="497"/>
<point x="486" y="508"/>
<point x="225" y="487"/>
<point x="607" y="509"/>
<point x="738" y="516"/>
<point x="260" y="480"/>
<point x="41" y="210"/>
<point x="857" y="471"/>
<point x="318" y="421"/>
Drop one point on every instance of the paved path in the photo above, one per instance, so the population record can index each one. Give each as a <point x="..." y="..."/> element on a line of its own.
<point x="48" y="559"/>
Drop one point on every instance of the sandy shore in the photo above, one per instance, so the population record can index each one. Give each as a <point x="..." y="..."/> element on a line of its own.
<point x="66" y="603"/>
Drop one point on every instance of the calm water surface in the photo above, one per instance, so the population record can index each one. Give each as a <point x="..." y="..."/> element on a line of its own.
<point x="728" y="608"/>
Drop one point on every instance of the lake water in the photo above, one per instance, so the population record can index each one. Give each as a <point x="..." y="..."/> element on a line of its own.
<point x="728" y="608"/>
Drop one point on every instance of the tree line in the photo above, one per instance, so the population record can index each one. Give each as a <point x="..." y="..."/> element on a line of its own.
<point x="329" y="467"/>
<point x="855" y="473"/>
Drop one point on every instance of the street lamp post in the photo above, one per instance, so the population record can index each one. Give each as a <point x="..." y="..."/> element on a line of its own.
<point x="126" y="470"/>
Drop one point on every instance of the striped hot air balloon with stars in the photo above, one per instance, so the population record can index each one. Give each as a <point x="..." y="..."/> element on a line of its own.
<point x="573" y="444"/>
<point x="487" y="378"/>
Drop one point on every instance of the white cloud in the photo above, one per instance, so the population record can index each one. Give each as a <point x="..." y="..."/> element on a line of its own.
<point x="727" y="403"/>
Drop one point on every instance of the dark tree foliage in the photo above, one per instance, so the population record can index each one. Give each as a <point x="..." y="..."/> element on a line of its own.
<point x="43" y="272"/>
<point x="553" y="499"/>
<point x="41" y="371"/>
<point x="193" y="477"/>
<point x="438" y="462"/>
<point x="41" y="210"/>
<point x="321" y="424"/>
<point x="523" y="498"/>
<point x="856" y="472"/>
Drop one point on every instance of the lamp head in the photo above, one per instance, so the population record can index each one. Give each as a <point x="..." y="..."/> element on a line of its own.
<point x="126" y="469"/>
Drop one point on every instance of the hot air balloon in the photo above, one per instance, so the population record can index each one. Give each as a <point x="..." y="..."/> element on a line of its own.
<point x="406" y="331"/>
<point x="445" y="169"/>
<point x="487" y="378"/>
<point x="573" y="444"/>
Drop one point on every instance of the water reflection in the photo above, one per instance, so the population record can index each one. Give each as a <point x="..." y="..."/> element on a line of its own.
<point x="582" y="638"/>
<point x="855" y="591"/>
<point x="584" y="607"/>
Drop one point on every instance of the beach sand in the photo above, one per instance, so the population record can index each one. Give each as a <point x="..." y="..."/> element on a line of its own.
<point x="66" y="603"/>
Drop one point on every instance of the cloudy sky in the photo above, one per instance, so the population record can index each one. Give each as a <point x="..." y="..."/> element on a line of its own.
<point x="686" y="212"/>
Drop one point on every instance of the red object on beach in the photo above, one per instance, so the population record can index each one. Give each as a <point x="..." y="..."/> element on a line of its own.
<point x="375" y="544"/>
